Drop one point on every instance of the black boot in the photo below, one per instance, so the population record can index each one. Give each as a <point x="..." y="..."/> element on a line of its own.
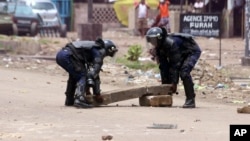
<point x="69" y="101"/>
<point x="80" y="100"/>
<point x="70" y="91"/>
<point x="190" y="95"/>
<point x="189" y="103"/>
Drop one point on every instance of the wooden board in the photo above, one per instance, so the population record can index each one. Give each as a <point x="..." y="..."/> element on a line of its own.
<point x="130" y="93"/>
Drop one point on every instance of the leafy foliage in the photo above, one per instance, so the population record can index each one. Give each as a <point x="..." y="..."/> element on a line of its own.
<point x="138" y="65"/>
<point x="134" y="52"/>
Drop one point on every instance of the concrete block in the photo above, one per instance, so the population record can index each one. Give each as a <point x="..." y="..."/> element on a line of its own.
<point x="156" y="101"/>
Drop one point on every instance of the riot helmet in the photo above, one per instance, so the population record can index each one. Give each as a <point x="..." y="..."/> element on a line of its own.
<point x="110" y="48"/>
<point x="154" y="36"/>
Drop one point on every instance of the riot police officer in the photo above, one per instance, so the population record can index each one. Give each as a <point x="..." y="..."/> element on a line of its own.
<point x="177" y="54"/>
<point x="83" y="61"/>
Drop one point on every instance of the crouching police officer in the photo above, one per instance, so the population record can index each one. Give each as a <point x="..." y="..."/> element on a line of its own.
<point x="176" y="55"/>
<point x="83" y="61"/>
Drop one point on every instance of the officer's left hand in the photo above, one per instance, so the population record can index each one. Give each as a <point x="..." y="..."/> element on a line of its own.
<point x="173" y="88"/>
<point x="98" y="98"/>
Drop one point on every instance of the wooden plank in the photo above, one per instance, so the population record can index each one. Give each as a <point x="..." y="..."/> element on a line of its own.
<point x="130" y="93"/>
<point x="163" y="89"/>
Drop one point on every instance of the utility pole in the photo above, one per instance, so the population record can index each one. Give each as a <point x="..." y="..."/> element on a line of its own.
<point x="247" y="26"/>
<point x="90" y="30"/>
<point x="246" y="58"/>
<point x="209" y="6"/>
<point x="90" y="11"/>
<point x="181" y="3"/>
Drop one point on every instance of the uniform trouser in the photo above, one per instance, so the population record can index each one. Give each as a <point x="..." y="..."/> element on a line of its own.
<point x="185" y="74"/>
<point x="96" y="87"/>
<point x="64" y="60"/>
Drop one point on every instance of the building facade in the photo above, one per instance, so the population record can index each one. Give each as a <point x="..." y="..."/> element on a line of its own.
<point x="232" y="12"/>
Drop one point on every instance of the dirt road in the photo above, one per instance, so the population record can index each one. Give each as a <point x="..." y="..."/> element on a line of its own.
<point x="31" y="108"/>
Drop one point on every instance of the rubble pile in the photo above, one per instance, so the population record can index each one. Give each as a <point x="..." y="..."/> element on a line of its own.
<point x="209" y="80"/>
<point x="205" y="74"/>
<point x="214" y="82"/>
<point x="130" y="76"/>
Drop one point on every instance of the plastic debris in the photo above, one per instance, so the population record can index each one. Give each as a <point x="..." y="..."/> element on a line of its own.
<point x="238" y="102"/>
<point x="220" y="86"/>
<point x="163" y="126"/>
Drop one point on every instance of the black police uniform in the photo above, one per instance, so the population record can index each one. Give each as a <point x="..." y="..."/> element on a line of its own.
<point x="83" y="61"/>
<point x="177" y="55"/>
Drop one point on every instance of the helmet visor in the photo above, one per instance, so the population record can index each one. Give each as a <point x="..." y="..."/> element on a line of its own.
<point x="112" y="51"/>
<point x="153" y="40"/>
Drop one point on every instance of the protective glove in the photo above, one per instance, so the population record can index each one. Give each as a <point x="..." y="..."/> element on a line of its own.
<point x="91" y="74"/>
<point x="152" y="52"/>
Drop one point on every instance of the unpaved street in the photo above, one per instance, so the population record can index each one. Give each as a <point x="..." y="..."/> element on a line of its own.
<point x="32" y="98"/>
<point x="31" y="109"/>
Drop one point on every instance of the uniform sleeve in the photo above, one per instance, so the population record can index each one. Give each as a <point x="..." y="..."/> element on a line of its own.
<point x="174" y="72"/>
<point x="175" y="63"/>
<point x="97" y="62"/>
<point x="193" y="54"/>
